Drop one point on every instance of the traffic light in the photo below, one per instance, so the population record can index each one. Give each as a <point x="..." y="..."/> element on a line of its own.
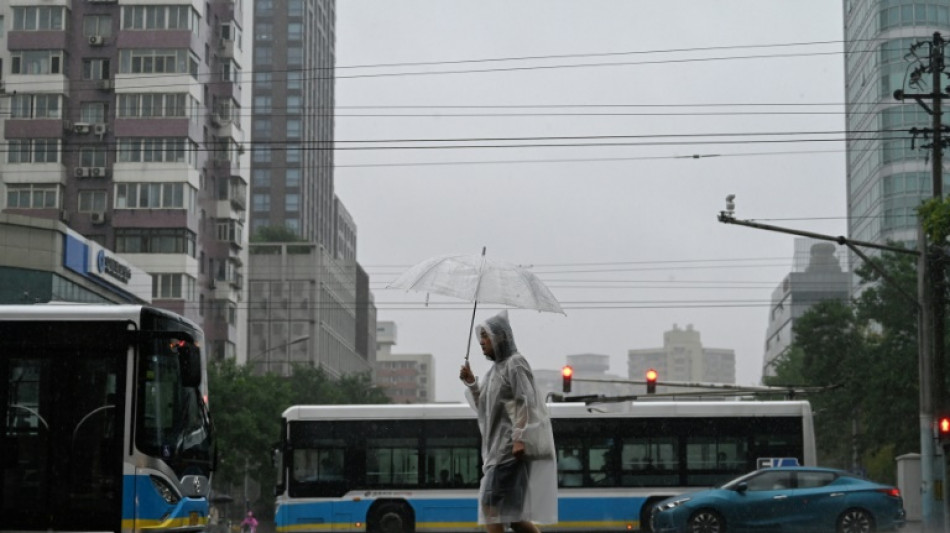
<point x="651" y="381"/>
<point x="943" y="428"/>
<point x="566" y="373"/>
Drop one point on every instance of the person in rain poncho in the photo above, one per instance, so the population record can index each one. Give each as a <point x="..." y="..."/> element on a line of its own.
<point x="519" y="486"/>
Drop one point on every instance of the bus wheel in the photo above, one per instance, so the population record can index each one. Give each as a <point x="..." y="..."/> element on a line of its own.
<point x="391" y="517"/>
<point x="646" y="513"/>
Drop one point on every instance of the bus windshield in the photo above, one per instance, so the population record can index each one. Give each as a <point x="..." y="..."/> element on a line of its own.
<point x="172" y="421"/>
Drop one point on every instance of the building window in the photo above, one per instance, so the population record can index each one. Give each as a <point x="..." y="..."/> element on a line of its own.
<point x="97" y="25"/>
<point x="155" y="241"/>
<point x="159" y="18"/>
<point x="265" y="31"/>
<point x="295" y="80"/>
<point x="263" y="80"/>
<point x="292" y="177"/>
<point x="261" y="154"/>
<point x="153" y="105"/>
<point x="150" y="196"/>
<point x="264" y="7"/>
<point x="295" y="55"/>
<point x="230" y="231"/>
<point x="36" y="106"/>
<point x="262" y="104"/>
<point x="293" y="129"/>
<point x="294" y="153"/>
<point x="92" y="156"/>
<point x="294" y="104"/>
<point x="260" y="202"/>
<point x="95" y="69"/>
<point x="93" y="112"/>
<point x="35" y="18"/>
<point x="90" y="201"/>
<point x="262" y="127"/>
<point x="292" y="202"/>
<point x="156" y="150"/>
<point x="33" y="196"/>
<point x="295" y="31"/>
<point x="33" y="151"/>
<point x="261" y="177"/>
<point x="158" y="61"/>
<point x="263" y="55"/>
<point x="37" y="62"/>
<point x="173" y="286"/>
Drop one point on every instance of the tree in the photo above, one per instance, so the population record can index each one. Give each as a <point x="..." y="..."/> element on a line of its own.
<point x="866" y="351"/>
<point x="246" y="410"/>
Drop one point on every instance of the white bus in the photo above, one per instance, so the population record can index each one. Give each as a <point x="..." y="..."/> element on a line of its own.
<point x="414" y="468"/>
<point x="106" y="426"/>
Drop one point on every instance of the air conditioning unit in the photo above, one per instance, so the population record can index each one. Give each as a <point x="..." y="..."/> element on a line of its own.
<point x="99" y="128"/>
<point x="81" y="172"/>
<point x="96" y="172"/>
<point x="64" y="215"/>
<point x="98" y="217"/>
<point x="96" y="40"/>
<point x="105" y="85"/>
<point x="81" y="127"/>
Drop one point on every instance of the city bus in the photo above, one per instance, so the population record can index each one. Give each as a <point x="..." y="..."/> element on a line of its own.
<point x="414" y="468"/>
<point x="106" y="422"/>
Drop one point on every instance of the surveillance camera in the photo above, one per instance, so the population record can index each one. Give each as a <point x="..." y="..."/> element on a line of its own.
<point x="730" y="203"/>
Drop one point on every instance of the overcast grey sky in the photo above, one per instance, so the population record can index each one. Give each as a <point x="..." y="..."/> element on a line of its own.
<point x="623" y="230"/>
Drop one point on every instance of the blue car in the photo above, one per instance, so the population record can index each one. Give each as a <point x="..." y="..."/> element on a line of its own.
<point x="784" y="499"/>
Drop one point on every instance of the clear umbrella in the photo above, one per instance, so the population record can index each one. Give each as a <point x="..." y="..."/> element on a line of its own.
<point x="477" y="279"/>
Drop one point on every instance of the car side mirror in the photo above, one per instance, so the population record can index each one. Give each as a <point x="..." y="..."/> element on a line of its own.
<point x="742" y="487"/>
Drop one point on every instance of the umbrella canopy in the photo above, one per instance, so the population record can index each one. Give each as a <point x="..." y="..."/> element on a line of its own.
<point x="476" y="279"/>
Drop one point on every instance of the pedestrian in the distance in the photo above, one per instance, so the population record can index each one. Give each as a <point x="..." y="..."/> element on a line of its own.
<point x="519" y="486"/>
<point x="249" y="523"/>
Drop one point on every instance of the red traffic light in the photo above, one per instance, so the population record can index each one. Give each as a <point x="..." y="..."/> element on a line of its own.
<point x="651" y="381"/>
<point x="566" y="373"/>
<point x="943" y="427"/>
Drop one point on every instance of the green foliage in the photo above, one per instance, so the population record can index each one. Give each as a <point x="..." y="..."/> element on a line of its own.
<point x="275" y="234"/>
<point x="865" y="352"/>
<point x="935" y="218"/>
<point x="246" y="410"/>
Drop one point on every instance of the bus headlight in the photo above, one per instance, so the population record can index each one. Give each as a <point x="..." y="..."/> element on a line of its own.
<point x="672" y="504"/>
<point x="168" y="493"/>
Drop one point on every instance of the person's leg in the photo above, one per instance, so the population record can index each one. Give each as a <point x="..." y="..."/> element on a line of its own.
<point x="524" y="527"/>
<point x="495" y="528"/>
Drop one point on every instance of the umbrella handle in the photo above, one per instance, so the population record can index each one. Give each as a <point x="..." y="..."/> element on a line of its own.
<point x="471" y="328"/>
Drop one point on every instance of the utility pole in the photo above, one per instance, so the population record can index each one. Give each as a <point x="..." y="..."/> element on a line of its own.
<point x="931" y="276"/>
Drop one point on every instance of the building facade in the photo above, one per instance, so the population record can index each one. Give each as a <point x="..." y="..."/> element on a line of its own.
<point x="292" y="176"/>
<point x="683" y="358"/>
<point x="887" y="178"/>
<point x="303" y="310"/>
<point x="45" y="261"/>
<point x="125" y="122"/>
<point x="404" y="377"/>
<point x="821" y="278"/>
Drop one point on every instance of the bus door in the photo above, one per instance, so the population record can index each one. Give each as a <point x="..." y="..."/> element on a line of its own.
<point x="62" y="409"/>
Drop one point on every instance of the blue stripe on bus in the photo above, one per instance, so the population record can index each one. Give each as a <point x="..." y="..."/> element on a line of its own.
<point x="153" y="511"/>
<point x="614" y="512"/>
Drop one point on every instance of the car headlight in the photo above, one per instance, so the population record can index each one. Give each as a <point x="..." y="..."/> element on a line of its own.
<point x="672" y="504"/>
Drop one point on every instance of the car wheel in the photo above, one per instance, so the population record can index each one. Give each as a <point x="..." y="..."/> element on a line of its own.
<point x="391" y="518"/>
<point x="855" y="521"/>
<point x="706" y="521"/>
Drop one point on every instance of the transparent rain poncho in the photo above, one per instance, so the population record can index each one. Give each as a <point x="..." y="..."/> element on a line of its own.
<point x="510" y="408"/>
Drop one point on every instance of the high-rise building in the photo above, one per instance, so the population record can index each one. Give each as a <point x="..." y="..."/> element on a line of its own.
<point x="292" y="176"/>
<point x="821" y="278"/>
<point x="887" y="178"/>
<point x="404" y="377"/>
<point x="125" y="121"/>
<point x="292" y="192"/>
<point x="683" y="358"/>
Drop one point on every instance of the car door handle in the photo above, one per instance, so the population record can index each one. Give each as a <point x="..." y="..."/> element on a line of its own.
<point x="836" y="494"/>
<point x="780" y="497"/>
